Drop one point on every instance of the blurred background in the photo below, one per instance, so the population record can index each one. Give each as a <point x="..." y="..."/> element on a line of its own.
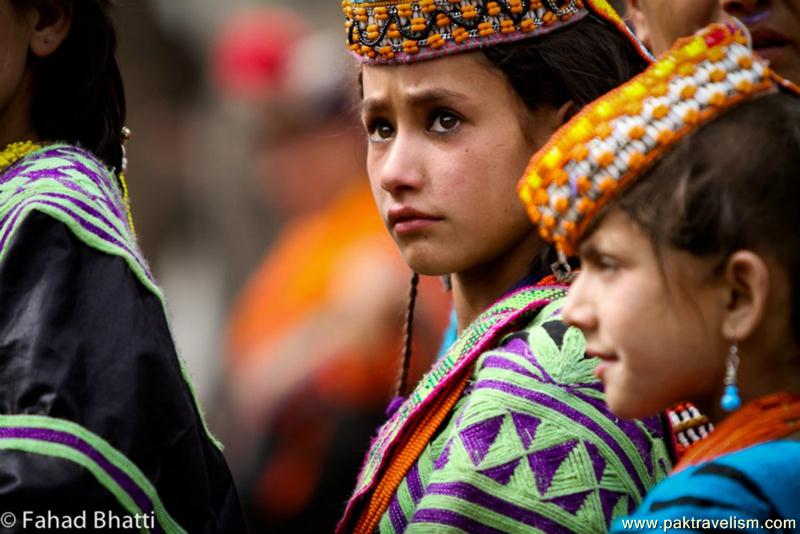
<point x="287" y="298"/>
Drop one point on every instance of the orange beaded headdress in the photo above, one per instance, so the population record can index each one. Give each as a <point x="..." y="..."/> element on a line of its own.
<point x="613" y="140"/>
<point x="404" y="31"/>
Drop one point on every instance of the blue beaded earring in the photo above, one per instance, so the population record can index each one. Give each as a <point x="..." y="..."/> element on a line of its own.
<point x="730" y="398"/>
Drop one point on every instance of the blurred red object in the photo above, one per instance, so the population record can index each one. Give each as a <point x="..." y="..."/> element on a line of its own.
<point x="252" y="50"/>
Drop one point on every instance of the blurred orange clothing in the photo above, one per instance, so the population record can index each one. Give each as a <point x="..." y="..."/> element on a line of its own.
<point x="299" y="276"/>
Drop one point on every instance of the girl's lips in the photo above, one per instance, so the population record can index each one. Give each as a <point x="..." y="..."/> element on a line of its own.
<point x="405" y="219"/>
<point x="601" y="369"/>
<point x="406" y="226"/>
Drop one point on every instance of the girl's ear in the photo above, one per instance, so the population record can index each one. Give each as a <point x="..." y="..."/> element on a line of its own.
<point x="639" y="21"/>
<point x="50" y="22"/>
<point x="747" y="282"/>
<point x="567" y="110"/>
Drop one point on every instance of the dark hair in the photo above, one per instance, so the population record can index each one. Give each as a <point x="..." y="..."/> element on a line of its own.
<point x="578" y="63"/>
<point x="731" y="185"/>
<point x="78" y="93"/>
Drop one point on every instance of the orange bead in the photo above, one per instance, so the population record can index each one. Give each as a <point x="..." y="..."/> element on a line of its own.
<point x="561" y="205"/>
<point x="665" y="137"/>
<point x="637" y="132"/>
<point x="717" y="75"/>
<point x="745" y="62"/>
<point x="688" y="91"/>
<point x="584" y="185"/>
<point x="660" y="111"/>
<point x="717" y="99"/>
<point x="605" y="159"/>
<point x="585" y="206"/>
<point x="604" y="130"/>
<point x="579" y="153"/>
<point x="608" y="184"/>
<point x="635" y="160"/>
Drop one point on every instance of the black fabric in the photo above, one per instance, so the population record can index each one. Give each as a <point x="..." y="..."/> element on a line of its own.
<point x="82" y="339"/>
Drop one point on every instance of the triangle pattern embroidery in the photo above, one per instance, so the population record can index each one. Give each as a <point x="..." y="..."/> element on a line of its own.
<point x="502" y="473"/>
<point x="609" y="499"/>
<point x="546" y="462"/>
<point x="571" y="503"/>
<point x="526" y="426"/>
<point x="598" y="462"/>
<point x="478" y="438"/>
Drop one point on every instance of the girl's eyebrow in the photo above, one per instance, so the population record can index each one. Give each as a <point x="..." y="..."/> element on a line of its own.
<point x="415" y="98"/>
<point x="588" y="250"/>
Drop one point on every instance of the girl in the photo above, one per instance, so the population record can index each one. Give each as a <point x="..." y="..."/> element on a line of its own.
<point x="509" y="431"/>
<point x="684" y="214"/>
<point x="97" y="411"/>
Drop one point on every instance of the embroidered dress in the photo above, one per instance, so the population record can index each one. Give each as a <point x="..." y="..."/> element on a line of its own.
<point x="96" y="409"/>
<point x="739" y="491"/>
<point x="529" y="445"/>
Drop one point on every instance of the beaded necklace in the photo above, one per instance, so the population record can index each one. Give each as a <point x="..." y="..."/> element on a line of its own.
<point x="768" y="418"/>
<point x="14" y="152"/>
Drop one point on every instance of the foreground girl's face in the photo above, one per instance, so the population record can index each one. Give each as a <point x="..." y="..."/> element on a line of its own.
<point x="446" y="148"/>
<point x="653" y="321"/>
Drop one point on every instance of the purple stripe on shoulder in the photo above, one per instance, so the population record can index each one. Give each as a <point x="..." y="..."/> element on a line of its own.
<point x="453" y="519"/>
<point x="498" y="362"/>
<point x="70" y="440"/>
<point x="396" y="515"/>
<point x="98" y="232"/>
<point x="414" y="483"/>
<point x="471" y="494"/>
<point x="574" y="414"/>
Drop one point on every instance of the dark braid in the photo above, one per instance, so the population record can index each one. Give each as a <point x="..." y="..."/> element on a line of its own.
<point x="402" y="383"/>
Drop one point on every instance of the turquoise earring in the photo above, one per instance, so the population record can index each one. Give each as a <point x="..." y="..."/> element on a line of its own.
<point x="730" y="398"/>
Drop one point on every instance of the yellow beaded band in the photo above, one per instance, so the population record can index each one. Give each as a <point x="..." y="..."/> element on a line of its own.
<point x="15" y="152"/>
<point x="617" y="137"/>
<point x="402" y="31"/>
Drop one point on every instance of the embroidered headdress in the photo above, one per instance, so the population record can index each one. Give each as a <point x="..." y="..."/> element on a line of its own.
<point x="616" y="138"/>
<point x="404" y="31"/>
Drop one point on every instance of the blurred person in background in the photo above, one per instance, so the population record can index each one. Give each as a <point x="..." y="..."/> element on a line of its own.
<point x="314" y="341"/>
<point x="774" y="25"/>
<point x="658" y="23"/>
<point x="98" y="413"/>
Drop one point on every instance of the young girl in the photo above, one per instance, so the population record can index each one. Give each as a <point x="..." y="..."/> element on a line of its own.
<point x="97" y="413"/>
<point x="682" y="206"/>
<point x="509" y="431"/>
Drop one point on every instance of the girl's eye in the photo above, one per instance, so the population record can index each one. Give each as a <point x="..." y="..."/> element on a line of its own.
<point x="445" y="121"/>
<point x="605" y="263"/>
<point x="380" y="130"/>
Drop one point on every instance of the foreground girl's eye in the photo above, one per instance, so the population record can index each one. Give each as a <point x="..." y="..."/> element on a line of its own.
<point x="445" y="121"/>
<point x="380" y="130"/>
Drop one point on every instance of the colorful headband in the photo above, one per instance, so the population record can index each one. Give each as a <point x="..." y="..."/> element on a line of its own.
<point x="617" y="137"/>
<point x="405" y="31"/>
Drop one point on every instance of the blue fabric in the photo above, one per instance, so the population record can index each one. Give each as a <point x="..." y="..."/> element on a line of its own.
<point x="757" y="484"/>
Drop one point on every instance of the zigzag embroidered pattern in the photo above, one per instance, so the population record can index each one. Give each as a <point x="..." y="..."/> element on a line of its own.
<point x="532" y="448"/>
<point x="477" y="338"/>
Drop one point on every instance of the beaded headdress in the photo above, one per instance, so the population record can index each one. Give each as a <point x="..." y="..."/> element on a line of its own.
<point x="613" y="140"/>
<point x="404" y="31"/>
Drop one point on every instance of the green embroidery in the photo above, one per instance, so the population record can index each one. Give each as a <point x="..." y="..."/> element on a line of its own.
<point x="111" y="454"/>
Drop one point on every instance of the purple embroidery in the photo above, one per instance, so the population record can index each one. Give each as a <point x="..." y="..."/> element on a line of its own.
<point x="502" y="473"/>
<point x="479" y="437"/>
<point x="546" y="462"/>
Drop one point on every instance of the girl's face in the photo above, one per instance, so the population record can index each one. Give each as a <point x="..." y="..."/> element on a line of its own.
<point x="655" y="322"/>
<point x="448" y="141"/>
